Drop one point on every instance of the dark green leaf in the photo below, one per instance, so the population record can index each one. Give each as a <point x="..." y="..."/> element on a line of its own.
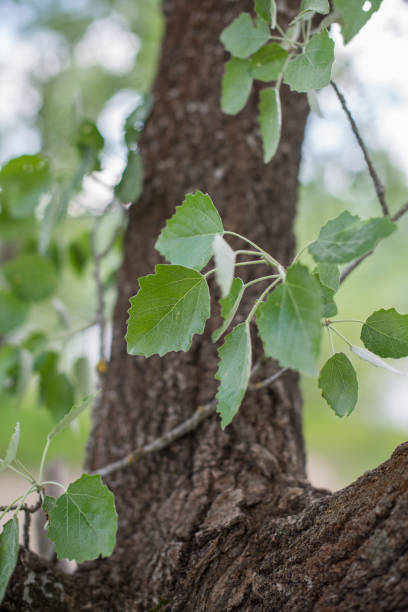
<point x="385" y="333"/>
<point x="270" y="121"/>
<point x="9" y="366"/>
<point x="233" y="372"/>
<point x="8" y="553"/>
<point x="70" y="416"/>
<point x="241" y="38"/>
<point x="22" y="181"/>
<point x="134" y="122"/>
<point x="267" y="63"/>
<point x="188" y="236"/>
<point x="289" y="321"/>
<point x="339" y="385"/>
<point x="31" y="276"/>
<point x="347" y="237"/>
<point x="267" y="10"/>
<point x="312" y="69"/>
<point x="131" y="185"/>
<point x="35" y="342"/>
<point x="236" y="85"/>
<point x="79" y="252"/>
<point x="83" y="521"/>
<point x="90" y="142"/>
<point x="57" y="394"/>
<point x="171" y="306"/>
<point x="329" y="275"/>
<point x="13" y="312"/>
<point x="353" y="17"/>
<point x="229" y="306"/>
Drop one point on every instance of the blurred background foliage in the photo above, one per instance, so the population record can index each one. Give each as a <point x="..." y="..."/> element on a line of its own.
<point x="75" y="77"/>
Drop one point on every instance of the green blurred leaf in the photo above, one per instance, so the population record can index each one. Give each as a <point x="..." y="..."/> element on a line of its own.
<point x="229" y="306"/>
<point x="35" y="342"/>
<point x="79" y="252"/>
<point x="83" y="376"/>
<point x="312" y="69"/>
<point x="8" y="553"/>
<point x="353" y="17"/>
<point x="385" y="333"/>
<point x="171" y="306"/>
<point x="236" y="85"/>
<point x="329" y="275"/>
<point x="188" y="236"/>
<point x="267" y="63"/>
<point x="338" y="382"/>
<point x="289" y="321"/>
<point x="131" y="184"/>
<point x="22" y="181"/>
<point x="11" y="449"/>
<point x="233" y="372"/>
<point x="46" y="362"/>
<point x="347" y="237"/>
<point x="13" y="312"/>
<point x="224" y="258"/>
<point x="89" y="142"/>
<point x="270" y="121"/>
<point x="56" y="393"/>
<point x="83" y="521"/>
<point x="241" y="38"/>
<point x="318" y="6"/>
<point x="70" y="417"/>
<point x="9" y="366"/>
<point x="32" y="277"/>
<point x="134" y="122"/>
<point x="267" y="10"/>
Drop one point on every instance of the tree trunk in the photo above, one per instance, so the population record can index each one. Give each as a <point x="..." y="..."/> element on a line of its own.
<point x="221" y="520"/>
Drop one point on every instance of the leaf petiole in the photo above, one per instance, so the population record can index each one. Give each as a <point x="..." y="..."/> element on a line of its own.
<point x="340" y="335"/>
<point x="261" y="298"/>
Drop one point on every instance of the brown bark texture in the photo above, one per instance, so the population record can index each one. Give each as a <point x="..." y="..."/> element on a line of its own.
<point x="221" y="520"/>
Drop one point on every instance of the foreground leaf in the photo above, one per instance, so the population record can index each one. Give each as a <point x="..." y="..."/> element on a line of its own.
<point x="312" y="69"/>
<point x="385" y="333"/>
<point x="236" y="85"/>
<point x="233" y="372"/>
<point x="376" y="361"/>
<point x="229" y="306"/>
<point x="8" y="553"/>
<point x="171" y="306"/>
<point x="338" y="382"/>
<point x="32" y="277"/>
<point x="188" y="236"/>
<point x="241" y="38"/>
<point x="13" y="312"/>
<point x="329" y="275"/>
<point x="347" y="237"/>
<point x="267" y="63"/>
<point x="353" y="17"/>
<point x="329" y="308"/>
<point x="289" y="321"/>
<point x="270" y="121"/>
<point x="83" y="521"/>
<point x="224" y="258"/>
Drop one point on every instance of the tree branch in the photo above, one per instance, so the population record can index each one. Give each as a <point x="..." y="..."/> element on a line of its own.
<point x="379" y="187"/>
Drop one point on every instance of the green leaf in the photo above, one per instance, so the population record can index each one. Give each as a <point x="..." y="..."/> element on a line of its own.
<point x="347" y="237"/>
<point x="329" y="275"/>
<point x="171" y="306"/>
<point x="8" y="553"/>
<point x="57" y="394"/>
<point x="13" y="312"/>
<point x="267" y="63"/>
<point x="312" y="69"/>
<point x="318" y="6"/>
<point x="224" y="258"/>
<point x="83" y="376"/>
<point x="338" y="382"/>
<point x="385" y="333"/>
<point x="266" y="9"/>
<point x="236" y="85"/>
<point x="134" y="122"/>
<point x="241" y="38"/>
<point x="270" y="121"/>
<point x="9" y="366"/>
<point x="289" y="321"/>
<point x="35" y="342"/>
<point x="22" y="181"/>
<point x="89" y="142"/>
<point x="233" y="372"/>
<point x="48" y="504"/>
<point x="70" y="416"/>
<point x="188" y="236"/>
<point x="83" y="521"/>
<point x="131" y="185"/>
<point x="329" y="308"/>
<point x="11" y="449"/>
<point x="79" y="252"/>
<point x="229" y="306"/>
<point x="353" y="17"/>
<point x="31" y="276"/>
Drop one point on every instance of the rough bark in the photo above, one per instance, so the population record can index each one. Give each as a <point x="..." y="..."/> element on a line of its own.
<point x="221" y="520"/>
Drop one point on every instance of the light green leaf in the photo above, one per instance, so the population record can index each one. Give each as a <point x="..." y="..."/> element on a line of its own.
<point x="267" y="63"/>
<point x="13" y="312"/>
<point x="270" y="121"/>
<point x="338" y="382"/>
<point x="224" y="258"/>
<point x="131" y="185"/>
<point x="9" y="366"/>
<point x="31" y="276"/>
<point x="229" y="306"/>
<point x="8" y="553"/>
<point x="347" y="237"/>
<point x="376" y="361"/>
<point x="83" y="521"/>
<point x="385" y="333"/>
<point x="312" y="69"/>
<point x="22" y="181"/>
<point x="236" y="85"/>
<point x="329" y="308"/>
<point x="83" y="376"/>
<point x="329" y="275"/>
<point x="353" y="17"/>
<point x="289" y="321"/>
<point x="241" y="38"/>
<point x="70" y="417"/>
<point x="318" y="6"/>
<point x="11" y="449"/>
<point x="188" y="236"/>
<point x="267" y="10"/>
<point x="171" y="306"/>
<point x="233" y="372"/>
<point x="57" y="393"/>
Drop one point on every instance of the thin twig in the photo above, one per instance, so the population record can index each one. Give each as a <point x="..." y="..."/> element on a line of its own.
<point x="379" y="187"/>
<point x="357" y="262"/>
<point x="100" y="311"/>
<point x="23" y="508"/>
<point x="268" y="381"/>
